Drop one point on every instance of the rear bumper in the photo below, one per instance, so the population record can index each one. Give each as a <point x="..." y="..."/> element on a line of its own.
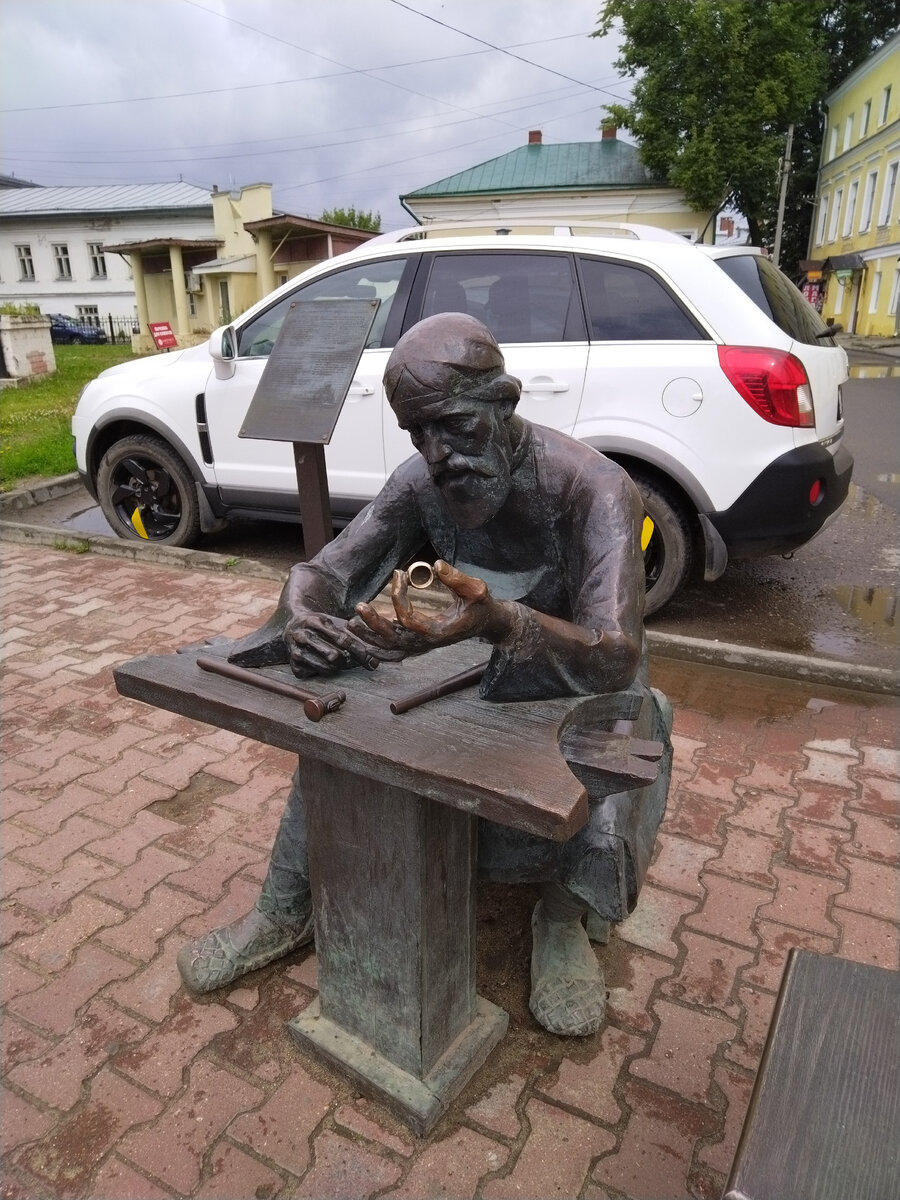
<point x="774" y="515"/>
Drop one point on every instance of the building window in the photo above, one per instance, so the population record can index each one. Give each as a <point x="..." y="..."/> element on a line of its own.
<point x="851" y="208"/>
<point x="865" y="219"/>
<point x="890" y="191"/>
<point x="895" y="294"/>
<point x="224" y="303"/>
<point x="885" y="105"/>
<point x="88" y="314"/>
<point x="875" y="292"/>
<point x="98" y="260"/>
<point x="848" y="132"/>
<point x="864" y="119"/>
<point x="835" y="214"/>
<point x="26" y="263"/>
<point x="823" y="215"/>
<point x="61" y="258"/>
<point x="832" y="143"/>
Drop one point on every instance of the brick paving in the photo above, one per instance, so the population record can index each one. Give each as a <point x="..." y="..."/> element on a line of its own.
<point x="126" y="830"/>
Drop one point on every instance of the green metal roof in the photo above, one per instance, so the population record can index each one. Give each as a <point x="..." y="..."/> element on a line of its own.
<point x="607" y="163"/>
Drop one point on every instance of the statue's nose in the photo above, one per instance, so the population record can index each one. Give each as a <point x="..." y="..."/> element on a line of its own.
<point x="434" y="448"/>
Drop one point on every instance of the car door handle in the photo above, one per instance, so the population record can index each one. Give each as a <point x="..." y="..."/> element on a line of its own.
<point x="543" y="383"/>
<point x="359" y="389"/>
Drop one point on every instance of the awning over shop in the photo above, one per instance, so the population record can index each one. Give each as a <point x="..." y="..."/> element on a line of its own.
<point x="844" y="262"/>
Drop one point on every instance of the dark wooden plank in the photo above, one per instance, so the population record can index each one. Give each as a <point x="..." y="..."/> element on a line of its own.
<point x="501" y="761"/>
<point x="824" y="1118"/>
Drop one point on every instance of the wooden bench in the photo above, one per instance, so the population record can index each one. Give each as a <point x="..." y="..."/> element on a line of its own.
<point x="824" y="1117"/>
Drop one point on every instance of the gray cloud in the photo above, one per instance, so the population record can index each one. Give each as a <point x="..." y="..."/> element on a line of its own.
<point x="337" y="103"/>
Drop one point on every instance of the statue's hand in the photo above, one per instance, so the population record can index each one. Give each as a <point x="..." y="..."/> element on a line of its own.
<point x="473" y="613"/>
<point x="320" y="644"/>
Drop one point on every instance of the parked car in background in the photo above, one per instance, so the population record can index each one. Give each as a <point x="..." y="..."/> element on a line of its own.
<point x="703" y="371"/>
<point x="69" y="331"/>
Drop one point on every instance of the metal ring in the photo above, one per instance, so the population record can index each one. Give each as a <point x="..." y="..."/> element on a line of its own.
<point x="420" y="575"/>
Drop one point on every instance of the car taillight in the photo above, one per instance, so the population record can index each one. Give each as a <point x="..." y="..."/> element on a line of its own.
<point x="773" y="382"/>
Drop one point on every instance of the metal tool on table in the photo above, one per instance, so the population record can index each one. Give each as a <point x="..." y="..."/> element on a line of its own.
<point x="315" y="706"/>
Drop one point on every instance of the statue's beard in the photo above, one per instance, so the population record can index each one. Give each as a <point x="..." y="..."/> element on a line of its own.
<point x="474" y="490"/>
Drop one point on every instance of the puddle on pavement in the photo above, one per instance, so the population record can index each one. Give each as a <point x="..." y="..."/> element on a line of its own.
<point x="91" y="520"/>
<point x="874" y="607"/>
<point x="874" y="371"/>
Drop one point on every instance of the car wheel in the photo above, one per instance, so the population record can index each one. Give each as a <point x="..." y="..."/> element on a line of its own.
<point x="76" y="341"/>
<point x="667" y="558"/>
<point x="146" y="492"/>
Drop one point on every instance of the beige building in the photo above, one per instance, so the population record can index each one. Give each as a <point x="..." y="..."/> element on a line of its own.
<point x="855" y="241"/>
<point x="197" y="284"/>
<point x="567" y="183"/>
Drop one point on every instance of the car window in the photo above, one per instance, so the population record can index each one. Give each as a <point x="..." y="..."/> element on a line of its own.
<point x="629" y="303"/>
<point x="366" y="281"/>
<point x="773" y="292"/>
<point x="520" y="297"/>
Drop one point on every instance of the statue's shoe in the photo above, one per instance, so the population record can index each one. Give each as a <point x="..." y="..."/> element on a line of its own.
<point x="224" y="955"/>
<point x="568" y="992"/>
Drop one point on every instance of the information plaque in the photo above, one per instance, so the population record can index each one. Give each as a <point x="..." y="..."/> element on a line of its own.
<point x="308" y="374"/>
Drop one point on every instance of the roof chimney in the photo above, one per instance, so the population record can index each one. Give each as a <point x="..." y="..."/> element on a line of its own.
<point x="609" y="131"/>
<point x="534" y="137"/>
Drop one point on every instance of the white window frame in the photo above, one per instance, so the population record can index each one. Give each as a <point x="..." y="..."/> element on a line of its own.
<point x="848" y="132"/>
<point x="885" y="104"/>
<point x="26" y="262"/>
<point x="835" y="214"/>
<point x="850" y="214"/>
<point x="889" y="194"/>
<point x="88" y="314"/>
<point x="832" y="143"/>
<point x="875" y="293"/>
<point x="895" y="293"/>
<point x="864" y="119"/>
<point x="823" y="217"/>
<point x="98" y="260"/>
<point x="61" y="260"/>
<point x="868" y="204"/>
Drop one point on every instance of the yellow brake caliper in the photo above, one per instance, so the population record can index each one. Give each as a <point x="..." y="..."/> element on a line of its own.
<point x="139" y="525"/>
<point x="646" y="533"/>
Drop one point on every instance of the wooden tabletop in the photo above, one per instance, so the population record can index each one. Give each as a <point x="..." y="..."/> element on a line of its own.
<point x="500" y="761"/>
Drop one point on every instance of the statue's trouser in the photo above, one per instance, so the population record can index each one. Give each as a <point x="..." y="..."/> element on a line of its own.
<point x="598" y="872"/>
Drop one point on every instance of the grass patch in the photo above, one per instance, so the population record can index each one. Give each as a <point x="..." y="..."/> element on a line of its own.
<point x="35" y="419"/>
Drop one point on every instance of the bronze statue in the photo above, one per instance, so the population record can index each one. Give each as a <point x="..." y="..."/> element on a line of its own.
<point x="537" y="538"/>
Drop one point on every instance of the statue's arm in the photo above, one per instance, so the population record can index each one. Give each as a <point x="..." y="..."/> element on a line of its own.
<point x="600" y="648"/>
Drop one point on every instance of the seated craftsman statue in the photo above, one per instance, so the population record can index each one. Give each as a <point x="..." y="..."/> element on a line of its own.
<point x="538" y="538"/>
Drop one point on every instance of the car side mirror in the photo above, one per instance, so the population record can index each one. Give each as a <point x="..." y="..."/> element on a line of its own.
<point x="223" y="351"/>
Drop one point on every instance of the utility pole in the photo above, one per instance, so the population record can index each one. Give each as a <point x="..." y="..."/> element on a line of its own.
<point x="782" y="194"/>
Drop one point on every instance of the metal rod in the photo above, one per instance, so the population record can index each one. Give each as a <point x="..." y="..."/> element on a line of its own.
<point x="455" y="683"/>
<point x="314" y="706"/>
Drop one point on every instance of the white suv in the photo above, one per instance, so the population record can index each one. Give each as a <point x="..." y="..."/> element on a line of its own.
<point x="702" y="370"/>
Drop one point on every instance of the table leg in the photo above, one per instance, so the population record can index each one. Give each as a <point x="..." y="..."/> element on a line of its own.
<point x="393" y="879"/>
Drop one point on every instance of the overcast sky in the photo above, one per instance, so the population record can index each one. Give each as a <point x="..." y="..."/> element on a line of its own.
<point x="333" y="102"/>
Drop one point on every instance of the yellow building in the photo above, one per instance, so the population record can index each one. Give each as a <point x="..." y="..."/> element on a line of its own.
<point x="855" y="239"/>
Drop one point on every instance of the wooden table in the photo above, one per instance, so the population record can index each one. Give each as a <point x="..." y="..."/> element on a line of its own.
<point x="824" y="1118"/>
<point x="392" y="803"/>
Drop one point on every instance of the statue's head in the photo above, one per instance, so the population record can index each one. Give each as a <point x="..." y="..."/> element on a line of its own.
<point x="447" y="385"/>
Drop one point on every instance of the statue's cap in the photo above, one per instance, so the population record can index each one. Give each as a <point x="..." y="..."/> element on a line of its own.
<point x="444" y="355"/>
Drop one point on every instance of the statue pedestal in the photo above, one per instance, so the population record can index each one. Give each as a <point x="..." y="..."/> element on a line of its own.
<point x="392" y="803"/>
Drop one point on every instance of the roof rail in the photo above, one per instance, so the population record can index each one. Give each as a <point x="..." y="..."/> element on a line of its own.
<point x="524" y="225"/>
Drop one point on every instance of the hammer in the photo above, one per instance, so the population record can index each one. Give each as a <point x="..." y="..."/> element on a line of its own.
<point x="314" y="706"/>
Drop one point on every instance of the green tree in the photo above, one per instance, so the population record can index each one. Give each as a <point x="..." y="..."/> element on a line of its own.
<point x="718" y="82"/>
<point x="369" y="221"/>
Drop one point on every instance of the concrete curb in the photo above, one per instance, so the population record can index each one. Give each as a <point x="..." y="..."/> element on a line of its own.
<point x="829" y="672"/>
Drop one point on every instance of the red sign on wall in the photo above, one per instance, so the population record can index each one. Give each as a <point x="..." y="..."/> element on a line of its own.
<point x="161" y="332"/>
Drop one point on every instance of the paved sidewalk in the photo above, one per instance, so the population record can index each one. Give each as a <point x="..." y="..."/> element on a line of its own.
<point x="127" y="829"/>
